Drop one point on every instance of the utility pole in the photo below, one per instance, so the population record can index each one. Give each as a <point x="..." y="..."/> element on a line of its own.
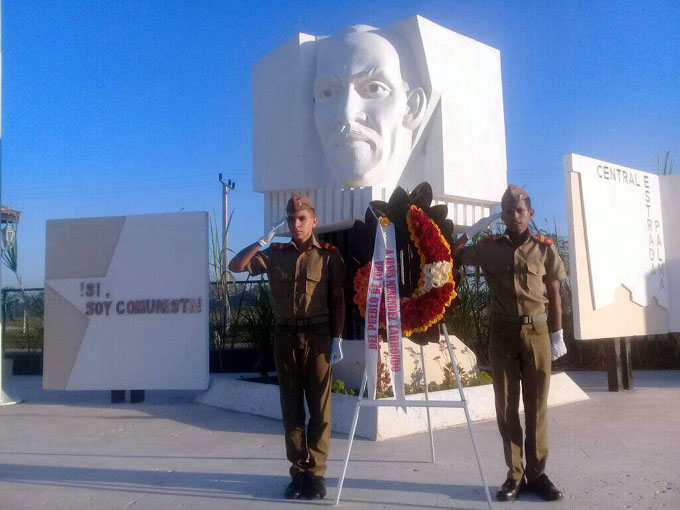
<point x="226" y="188"/>
<point x="224" y="257"/>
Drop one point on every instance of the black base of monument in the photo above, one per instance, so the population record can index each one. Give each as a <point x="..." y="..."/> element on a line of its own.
<point x="118" y="396"/>
<point x="356" y="249"/>
<point x="136" y="396"/>
<point x="344" y="240"/>
<point x="619" y="364"/>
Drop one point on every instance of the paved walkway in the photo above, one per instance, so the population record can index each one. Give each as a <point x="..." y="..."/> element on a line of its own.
<point x="76" y="451"/>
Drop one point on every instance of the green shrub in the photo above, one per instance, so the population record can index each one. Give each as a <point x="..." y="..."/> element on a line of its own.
<point x="339" y="387"/>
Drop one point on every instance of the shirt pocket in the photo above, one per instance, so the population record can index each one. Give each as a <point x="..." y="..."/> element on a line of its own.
<point x="316" y="282"/>
<point x="281" y="283"/>
<point x="497" y="273"/>
<point x="535" y="272"/>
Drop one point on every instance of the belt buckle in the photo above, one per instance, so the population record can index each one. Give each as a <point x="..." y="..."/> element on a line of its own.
<point x="525" y="319"/>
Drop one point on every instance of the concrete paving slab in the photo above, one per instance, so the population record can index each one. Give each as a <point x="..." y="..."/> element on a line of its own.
<point x="76" y="451"/>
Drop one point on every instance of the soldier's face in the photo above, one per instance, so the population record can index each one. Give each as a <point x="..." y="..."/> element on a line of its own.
<point x="301" y="224"/>
<point x="360" y="106"/>
<point x="517" y="216"/>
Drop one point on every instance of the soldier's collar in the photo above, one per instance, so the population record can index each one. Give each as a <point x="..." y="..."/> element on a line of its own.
<point x="525" y="237"/>
<point x="315" y="243"/>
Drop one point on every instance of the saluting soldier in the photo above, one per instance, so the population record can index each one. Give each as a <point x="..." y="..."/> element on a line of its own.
<point x="306" y="278"/>
<point x="518" y="268"/>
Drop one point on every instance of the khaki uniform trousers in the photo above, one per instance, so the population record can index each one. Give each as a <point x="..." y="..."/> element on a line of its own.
<point x="302" y="356"/>
<point x="521" y="353"/>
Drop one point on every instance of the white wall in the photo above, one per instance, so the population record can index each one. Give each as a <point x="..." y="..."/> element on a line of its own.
<point x="670" y="204"/>
<point x="97" y="336"/>
<point x="622" y="224"/>
<point x="460" y="149"/>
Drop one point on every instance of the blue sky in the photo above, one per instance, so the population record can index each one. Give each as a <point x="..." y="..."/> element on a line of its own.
<point x="129" y="107"/>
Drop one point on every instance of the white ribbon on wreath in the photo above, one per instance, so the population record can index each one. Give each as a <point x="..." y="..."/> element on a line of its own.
<point x="384" y="279"/>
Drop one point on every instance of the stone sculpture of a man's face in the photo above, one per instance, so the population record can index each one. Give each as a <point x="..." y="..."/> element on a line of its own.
<point x="364" y="111"/>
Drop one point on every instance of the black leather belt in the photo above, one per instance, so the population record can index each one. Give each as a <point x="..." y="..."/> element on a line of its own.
<point x="300" y="323"/>
<point x="519" y="319"/>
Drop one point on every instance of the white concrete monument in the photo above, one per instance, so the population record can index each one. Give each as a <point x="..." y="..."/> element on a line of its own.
<point x="624" y="249"/>
<point x="345" y="119"/>
<point x="126" y="303"/>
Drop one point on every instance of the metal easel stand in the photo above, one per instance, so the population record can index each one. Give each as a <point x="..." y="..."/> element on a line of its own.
<point x="427" y="403"/>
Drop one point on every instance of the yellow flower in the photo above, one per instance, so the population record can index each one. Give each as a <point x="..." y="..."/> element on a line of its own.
<point x="384" y="221"/>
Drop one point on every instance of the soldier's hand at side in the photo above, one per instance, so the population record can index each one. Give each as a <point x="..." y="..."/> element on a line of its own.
<point x="557" y="346"/>
<point x="336" y="350"/>
<point x="482" y="224"/>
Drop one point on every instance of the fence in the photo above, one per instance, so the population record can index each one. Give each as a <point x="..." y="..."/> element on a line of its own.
<point x="22" y="320"/>
<point x="241" y="334"/>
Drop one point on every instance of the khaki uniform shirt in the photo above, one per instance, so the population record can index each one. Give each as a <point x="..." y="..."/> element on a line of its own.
<point x="516" y="275"/>
<point x="300" y="282"/>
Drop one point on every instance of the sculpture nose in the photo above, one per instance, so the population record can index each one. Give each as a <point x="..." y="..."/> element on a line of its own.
<point x="352" y="108"/>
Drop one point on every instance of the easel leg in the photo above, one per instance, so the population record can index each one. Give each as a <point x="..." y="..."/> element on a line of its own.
<point x="427" y="397"/>
<point x="467" y="416"/>
<point x="351" y="437"/>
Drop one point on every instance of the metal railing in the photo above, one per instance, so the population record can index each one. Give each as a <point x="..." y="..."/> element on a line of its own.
<point x="22" y="320"/>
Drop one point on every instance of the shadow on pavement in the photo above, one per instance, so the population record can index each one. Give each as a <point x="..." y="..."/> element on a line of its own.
<point x="213" y="485"/>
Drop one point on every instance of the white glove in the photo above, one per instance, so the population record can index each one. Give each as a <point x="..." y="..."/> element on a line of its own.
<point x="482" y="224"/>
<point x="336" y="350"/>
<point x="264" y="241"/>
<point x="557" y="346"/>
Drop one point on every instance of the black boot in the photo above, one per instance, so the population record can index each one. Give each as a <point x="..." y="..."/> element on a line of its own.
<point x="544" y="489"/>
<point x="296" y="487"/>
<point x="315" y="487"/>
<point x="510" y="489"/>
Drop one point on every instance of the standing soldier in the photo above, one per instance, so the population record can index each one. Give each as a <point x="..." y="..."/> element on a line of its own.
<point x="518" y="267"/>
<point x="306" y="278"/>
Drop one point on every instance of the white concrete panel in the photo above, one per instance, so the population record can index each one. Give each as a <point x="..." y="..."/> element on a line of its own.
<point x="624" y="231"/>
<point x="468" y="75"/>
<point x="160" y="263"/>
<point x="670" y="208"/>
<point x="622" y="316"/>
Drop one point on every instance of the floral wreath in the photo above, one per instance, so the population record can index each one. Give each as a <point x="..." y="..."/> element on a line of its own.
<point x="428" y="302"/>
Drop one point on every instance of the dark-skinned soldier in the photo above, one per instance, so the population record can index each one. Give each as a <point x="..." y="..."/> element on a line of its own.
<point x="518" y="268"/>
<point x="306" y="278"/>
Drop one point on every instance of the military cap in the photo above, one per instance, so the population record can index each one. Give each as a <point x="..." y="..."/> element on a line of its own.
<point x="514" y="194"/>
<point x="299" y="203"/>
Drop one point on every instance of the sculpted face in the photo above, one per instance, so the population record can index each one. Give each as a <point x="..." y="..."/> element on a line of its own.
<point x="364" y="112"/>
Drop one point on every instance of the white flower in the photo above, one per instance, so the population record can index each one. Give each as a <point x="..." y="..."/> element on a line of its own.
<point x="435" y="274"/>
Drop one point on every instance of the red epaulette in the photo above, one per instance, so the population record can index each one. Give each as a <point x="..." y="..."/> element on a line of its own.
<point x="328" y="246"/>
<point x="279" y="246"/>
<point x="489" y="238"/>
<point x="543" y="239"/>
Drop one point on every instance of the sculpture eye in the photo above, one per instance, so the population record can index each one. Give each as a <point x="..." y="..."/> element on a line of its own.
<point x="375" y="89"/>
<point x="325" y="90"/>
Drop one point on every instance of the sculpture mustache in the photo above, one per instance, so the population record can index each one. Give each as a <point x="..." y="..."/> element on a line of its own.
<point x="354" y="133"/>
